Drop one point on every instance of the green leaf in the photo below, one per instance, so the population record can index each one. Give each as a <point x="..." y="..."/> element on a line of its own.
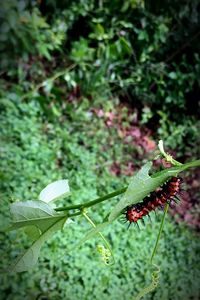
<point x="99" y="29"/>
<point x="125" y="45"/>
<point x="33" y="213"/>
<point x="41" y="224"/>
<point x="47" y="85"/>
<point x="141" y="185"/>
<point x="172" y="75"/>
<point x="25" y="210"/>
<point x="30" y="257"/>
<point x="40" y="221"/>
<point x="33" y="232"/>
<point x="55" y="190"/>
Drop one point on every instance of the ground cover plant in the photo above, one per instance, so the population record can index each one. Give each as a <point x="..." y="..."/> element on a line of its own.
<point x="87" y="90"/>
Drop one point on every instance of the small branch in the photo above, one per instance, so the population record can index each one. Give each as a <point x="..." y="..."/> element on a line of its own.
<point x="160" y="231"/>
<point x="54" y="77"/>
<point x="100" y="234"/>
<point x="192" y="164"/>
<point x="93" y="202"/>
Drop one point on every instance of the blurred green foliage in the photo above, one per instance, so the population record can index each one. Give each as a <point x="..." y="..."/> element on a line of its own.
<point x="24" y="31"/>
<point x="135" y="52"/>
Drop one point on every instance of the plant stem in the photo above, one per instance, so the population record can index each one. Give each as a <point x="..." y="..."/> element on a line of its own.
<point x="159" y="233"/>
<point x="167" y="156"/>
<point x="75" y="214"/>
<point x="99" y="233"/>
<point x="93" y="202"/>
<point x="192" y="164"/>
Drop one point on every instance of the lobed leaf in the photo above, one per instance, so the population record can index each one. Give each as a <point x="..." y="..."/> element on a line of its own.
<point x="26" y="210"/>
<point x="33" y="213"/>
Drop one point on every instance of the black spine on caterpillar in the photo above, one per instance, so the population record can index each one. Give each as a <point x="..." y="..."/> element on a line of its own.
<point x="155" y="200"/>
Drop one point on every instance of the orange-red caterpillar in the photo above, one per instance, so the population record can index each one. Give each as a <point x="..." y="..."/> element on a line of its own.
<point x="166" y="194"/>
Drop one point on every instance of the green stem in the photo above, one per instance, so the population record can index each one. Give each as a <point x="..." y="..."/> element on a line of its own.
<point x="99" y="233"/>
<point x="159" y="233"/>
<point x="74" y="215"/>
<point x="167" y="156"/>
<point x="152" y="285"/>
<point x="93" y="202"/>
<point x="192" y="164"/>
<point x="178" y="169"/>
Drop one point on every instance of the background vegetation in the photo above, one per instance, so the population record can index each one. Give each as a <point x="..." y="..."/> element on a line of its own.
<point x="87" y="89"/>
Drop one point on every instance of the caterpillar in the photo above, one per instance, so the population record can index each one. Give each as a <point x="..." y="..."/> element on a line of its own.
<point x="167" y="193"/>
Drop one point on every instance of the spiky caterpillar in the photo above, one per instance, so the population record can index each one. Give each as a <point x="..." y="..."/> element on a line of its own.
<point x="155" y="200"/>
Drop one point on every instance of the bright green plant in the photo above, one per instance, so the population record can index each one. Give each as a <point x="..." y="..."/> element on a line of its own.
<point x="40" y="219"/>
